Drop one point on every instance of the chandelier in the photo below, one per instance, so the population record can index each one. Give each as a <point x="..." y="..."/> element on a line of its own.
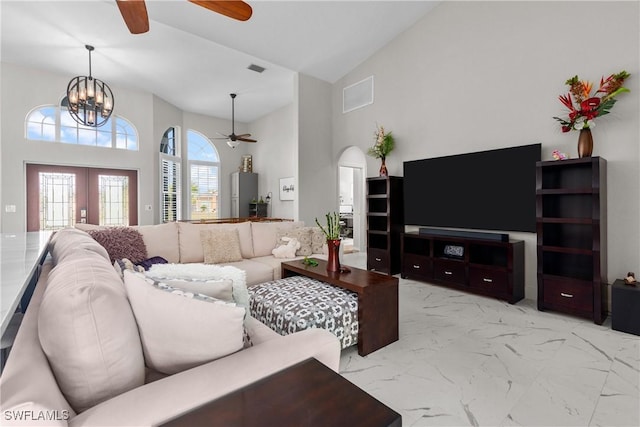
<point x="89" y="101"/>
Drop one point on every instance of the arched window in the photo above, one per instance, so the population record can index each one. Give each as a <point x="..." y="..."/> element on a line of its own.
<point x="53" y="123"/>
<point x="204" y="168"/>
<point x="170" y="176"/>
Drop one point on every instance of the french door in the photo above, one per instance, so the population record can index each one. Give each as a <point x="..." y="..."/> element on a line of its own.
<point x="60" y="196"/>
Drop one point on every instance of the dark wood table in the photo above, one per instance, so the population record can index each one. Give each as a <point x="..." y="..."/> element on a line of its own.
<point x="304" y="395"/>
<point x="377" y="300"/>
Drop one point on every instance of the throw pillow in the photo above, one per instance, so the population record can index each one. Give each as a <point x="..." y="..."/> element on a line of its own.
<point x="302" y="234"/>
<point x="287" y="250"/>
<point x="220" y="289"/>
<point x="220" y="246"/>
<point x="88" y="332"/>
<point x="178" y="332"/>
<point x="121" y="242"/>
<point x="120" y="265"/>
<point x="318" y="240"/>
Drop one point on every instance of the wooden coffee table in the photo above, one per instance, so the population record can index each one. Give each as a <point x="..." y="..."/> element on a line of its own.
<point x="377" y="300"/>
<point x="307" y="394"/>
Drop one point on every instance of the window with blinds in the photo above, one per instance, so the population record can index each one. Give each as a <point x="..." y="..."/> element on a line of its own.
<point x="171" y="189"/>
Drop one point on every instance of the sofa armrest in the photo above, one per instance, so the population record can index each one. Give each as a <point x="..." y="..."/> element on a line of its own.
<point x="27" y="376"/>
<point x="161" y="400"/>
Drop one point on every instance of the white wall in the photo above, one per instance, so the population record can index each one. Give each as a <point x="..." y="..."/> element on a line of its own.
<point x="473" y="76"/>
<point x="316" y="188"/>
<point x="273" y="157"/>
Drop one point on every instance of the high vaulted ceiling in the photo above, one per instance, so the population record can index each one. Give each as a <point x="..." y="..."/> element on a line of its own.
<point x="194" y="58"/>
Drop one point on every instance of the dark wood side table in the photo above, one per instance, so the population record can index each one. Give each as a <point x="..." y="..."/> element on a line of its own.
<point x="625" y="307"/>
<point x="304" y="395"/>
<point x="377" y="300"/>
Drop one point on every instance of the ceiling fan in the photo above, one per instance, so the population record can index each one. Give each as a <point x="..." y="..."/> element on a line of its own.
<point x="134" y="12"/>
<point x="233" y="140"/>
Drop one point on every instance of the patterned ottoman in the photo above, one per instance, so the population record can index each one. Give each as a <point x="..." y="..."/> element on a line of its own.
<point x="296" y="303"/>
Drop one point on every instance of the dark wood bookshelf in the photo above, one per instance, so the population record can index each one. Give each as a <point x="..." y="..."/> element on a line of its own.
<point x="571" y="237"/>
<point x="385" y="223"/>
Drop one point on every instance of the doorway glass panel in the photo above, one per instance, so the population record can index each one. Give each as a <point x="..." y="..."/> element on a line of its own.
<point x="57" y="200"/>
<point x="114" y="200"/>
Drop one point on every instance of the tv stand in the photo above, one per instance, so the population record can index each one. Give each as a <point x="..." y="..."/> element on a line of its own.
<point x="486" y="267"/>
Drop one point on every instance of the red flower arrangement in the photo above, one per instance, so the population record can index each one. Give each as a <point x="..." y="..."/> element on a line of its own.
<point x="588" y="107"/>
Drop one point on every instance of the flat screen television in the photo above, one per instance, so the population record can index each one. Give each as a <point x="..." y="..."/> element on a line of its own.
<point x="486" y="190"/>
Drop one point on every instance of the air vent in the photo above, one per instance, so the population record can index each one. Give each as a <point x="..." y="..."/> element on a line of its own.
<point x="256" y="68"/>
<point x="357" y="95"/>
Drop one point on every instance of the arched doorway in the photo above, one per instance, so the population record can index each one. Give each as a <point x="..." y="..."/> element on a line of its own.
<point x="352" y="172"/>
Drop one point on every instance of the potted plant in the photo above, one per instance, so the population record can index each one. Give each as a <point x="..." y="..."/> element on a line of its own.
<point x="381" y="149"/>
<point x="332" y="233"/>
<point x="584" y="106"/>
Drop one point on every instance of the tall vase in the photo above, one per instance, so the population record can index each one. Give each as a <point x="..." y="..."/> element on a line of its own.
<point x="585" y="143"/>
<point x="383" y="168"/>
<point x="333" y="261"/>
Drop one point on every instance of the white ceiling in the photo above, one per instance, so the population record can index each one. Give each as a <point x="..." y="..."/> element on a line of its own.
<point x="193" y="58"/>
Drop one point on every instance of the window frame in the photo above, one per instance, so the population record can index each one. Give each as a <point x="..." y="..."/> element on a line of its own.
<point x="200" y="162"/>
<point x="116" y="123"/>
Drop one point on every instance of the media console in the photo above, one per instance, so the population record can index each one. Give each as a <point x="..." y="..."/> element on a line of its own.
<point x="487" y="267"/>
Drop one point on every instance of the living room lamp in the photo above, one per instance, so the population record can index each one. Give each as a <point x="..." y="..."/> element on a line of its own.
<point x="89" y="101"/>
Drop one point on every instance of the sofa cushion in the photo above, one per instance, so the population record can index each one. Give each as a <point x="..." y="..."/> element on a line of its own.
<point x="274" y="263"/>
<point x="179" y="332"/>
<point x="161" y="240"/>
<point x="88" y="333"/>
<point x="303" y="234"/>
<point x="220" y="245"/>
<point x="121" y="242"/>
<point x="69" y="240"/>
<point x="265" y="237"/>
<point x="191" y="245"/>
<point x="256" y="272"/>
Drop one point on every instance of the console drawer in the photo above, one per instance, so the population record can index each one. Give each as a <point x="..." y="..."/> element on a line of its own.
<point x="417" y="266"/>
<point x="449" y="271"/>
<point x="488" y="280"/>
<point x="378" y="260"/>
<point x="570" y="294"/>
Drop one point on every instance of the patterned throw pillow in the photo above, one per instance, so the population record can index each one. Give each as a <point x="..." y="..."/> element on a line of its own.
<point x="303" y="234"/>
<point x="121" y="242"/>
<point x="120" y="265"/>
<point x="318" y="240"/>
<point x="220" y="245"/>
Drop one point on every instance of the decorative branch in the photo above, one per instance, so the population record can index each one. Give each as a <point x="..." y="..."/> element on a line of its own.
<point x="332" y="230"/>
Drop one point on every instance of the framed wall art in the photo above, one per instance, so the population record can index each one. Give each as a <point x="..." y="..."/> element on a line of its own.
<point x="287" y="190"/>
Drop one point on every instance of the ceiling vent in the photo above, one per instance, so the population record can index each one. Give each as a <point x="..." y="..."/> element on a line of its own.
<point x="256" y="68"/>
<point x="357" y="95"/>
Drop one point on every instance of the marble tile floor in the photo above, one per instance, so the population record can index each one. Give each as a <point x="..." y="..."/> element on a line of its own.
<point x="465" y="360"/>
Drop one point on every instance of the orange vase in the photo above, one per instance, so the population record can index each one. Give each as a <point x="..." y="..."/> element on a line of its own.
<point x="333" y="260"/>
<point x="585" y="143"/>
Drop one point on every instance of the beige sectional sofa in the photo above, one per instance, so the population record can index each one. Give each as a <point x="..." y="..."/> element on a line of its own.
<point x="80" y="356"/>
<point x="179" y="242"/>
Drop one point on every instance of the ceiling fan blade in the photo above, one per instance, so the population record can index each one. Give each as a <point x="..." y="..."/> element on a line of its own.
<point x="134" y="13"/>
<point x="244" y="135"/>
<point x="220" y="136"/>
<point x="246" y="140"/>
<point x="233" y="9"/>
